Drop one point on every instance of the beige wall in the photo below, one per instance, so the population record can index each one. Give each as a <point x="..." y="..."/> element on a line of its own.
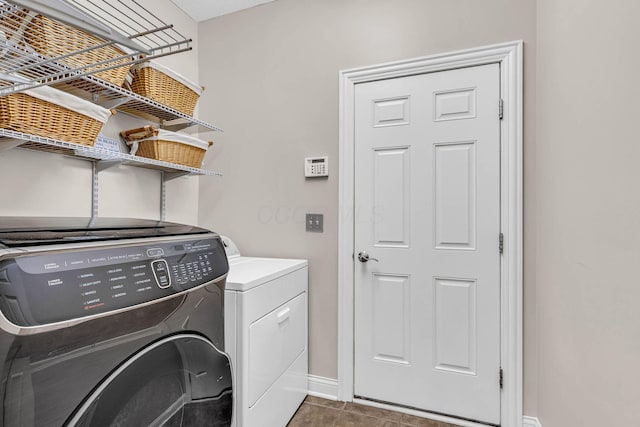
<point x="41" y="184"/>
<point x="271" y="74"/>
<point x="588" y="213"/>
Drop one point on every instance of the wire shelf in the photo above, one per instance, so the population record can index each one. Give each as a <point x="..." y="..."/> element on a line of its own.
<point x="23" y="64"/>
<point x="11" y="139"/>
<point x="111" y="96"/>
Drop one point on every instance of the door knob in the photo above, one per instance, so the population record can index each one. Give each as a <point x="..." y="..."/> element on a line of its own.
<point x="364" y="257"/>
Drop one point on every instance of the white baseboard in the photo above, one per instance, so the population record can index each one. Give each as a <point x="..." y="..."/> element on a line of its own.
<point x="530" y="422"/>
<point x="325" y="388"/>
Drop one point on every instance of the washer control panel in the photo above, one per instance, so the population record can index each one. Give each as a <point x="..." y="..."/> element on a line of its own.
<point x="50" y="287"/>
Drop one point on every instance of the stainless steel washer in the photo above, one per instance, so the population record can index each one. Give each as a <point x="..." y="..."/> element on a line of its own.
<point x="108" y="322"/>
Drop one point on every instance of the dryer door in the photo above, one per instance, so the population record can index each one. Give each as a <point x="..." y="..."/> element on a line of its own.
<point x="181" y="380"/>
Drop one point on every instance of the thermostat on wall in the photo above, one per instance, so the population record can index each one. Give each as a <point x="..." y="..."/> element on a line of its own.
<point x="316" y="166"/>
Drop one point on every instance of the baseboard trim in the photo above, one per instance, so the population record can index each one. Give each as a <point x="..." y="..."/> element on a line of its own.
<point x="530" y="422"/>
<point x="326" y="388"/>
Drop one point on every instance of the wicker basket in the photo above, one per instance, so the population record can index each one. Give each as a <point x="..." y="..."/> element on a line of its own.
<point x="166" y="146"/>
<point x="54" y="39"/>
<point x="34" y="113"/>
<point x="156" y="82"/>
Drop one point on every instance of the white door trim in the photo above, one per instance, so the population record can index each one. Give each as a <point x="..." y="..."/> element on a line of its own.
<point x="509" y="56"/>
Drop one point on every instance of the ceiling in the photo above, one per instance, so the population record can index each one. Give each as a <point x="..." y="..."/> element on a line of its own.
<point x="201" y="10"/>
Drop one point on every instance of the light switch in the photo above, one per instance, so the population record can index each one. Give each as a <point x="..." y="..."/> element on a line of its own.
<point x="315" y="223"/>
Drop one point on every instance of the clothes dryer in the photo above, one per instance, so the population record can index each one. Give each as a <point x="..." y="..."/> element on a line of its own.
<point x="266" y="336"/>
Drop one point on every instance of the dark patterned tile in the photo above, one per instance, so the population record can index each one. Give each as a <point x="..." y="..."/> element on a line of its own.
<point x="314" y="416"/>
<point x="324" y="402"/>
<point x="353" y="419"/>
<point x="373" y="412"/>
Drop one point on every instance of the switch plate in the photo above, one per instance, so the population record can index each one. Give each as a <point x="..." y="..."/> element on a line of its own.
<point x="314" y="223"/>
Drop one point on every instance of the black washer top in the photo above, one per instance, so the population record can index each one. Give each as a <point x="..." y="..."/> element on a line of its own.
<point x="35" y="231"/>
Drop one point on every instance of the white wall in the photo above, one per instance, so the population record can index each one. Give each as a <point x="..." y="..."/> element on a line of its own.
<point x="271" y="74"/>
<point x="42" y="184"/>
<point x="588" y="213"/>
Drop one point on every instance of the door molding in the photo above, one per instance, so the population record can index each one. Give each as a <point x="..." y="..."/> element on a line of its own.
<point x="509" y="56"/>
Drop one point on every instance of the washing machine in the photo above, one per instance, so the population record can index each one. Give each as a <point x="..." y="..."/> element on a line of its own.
<point x="112" y="322"/>
<point x="266" y="321"/>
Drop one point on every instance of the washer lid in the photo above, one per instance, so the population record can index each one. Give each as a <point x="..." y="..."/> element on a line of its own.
<point x="36" y="231"/>
<point x="248" y="272"/>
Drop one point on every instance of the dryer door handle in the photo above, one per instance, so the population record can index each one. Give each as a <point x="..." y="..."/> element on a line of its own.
<point x="283" y="315"/>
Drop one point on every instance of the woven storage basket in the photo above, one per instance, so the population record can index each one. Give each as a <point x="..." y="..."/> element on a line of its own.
<point x="156" y="82"/>
<point x="54" y="39"/>
<point x="167" y="146"/>
<point x="28" y="112"/>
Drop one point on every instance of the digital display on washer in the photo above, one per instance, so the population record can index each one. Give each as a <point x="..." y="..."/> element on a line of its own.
<point x="46" y="288"/>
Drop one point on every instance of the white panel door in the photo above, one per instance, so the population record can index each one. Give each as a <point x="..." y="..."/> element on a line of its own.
<point x="427" y="197"/>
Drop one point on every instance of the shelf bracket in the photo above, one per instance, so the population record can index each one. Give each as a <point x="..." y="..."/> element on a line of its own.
<point x="110" y="104"/>
<point x="179" y="124"/>
<point x="168" y="176"/>
<point x="101" y="165"/>
<point x="9" y="143"/>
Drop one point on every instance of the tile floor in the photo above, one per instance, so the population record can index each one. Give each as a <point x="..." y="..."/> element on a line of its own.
<point x="316" y="412"/>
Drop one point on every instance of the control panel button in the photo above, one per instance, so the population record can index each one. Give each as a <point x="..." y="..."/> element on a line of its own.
<point x="161" y="272"/>
<point x="155" y="252"/>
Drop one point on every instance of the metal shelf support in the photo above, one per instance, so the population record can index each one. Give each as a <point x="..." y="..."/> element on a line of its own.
<point x="168" y="176"/>
<point x="101" y="165"/>
<point x="110" y="103"/>
<point x="9" y="143"/>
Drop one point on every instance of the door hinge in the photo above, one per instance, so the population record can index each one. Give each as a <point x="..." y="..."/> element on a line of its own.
<point x="501" y="243"/>
<point x="500" y="109"/>
<point x="501" y="379"/>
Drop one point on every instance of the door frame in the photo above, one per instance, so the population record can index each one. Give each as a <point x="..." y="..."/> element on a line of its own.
<point x="510" y="57"/>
